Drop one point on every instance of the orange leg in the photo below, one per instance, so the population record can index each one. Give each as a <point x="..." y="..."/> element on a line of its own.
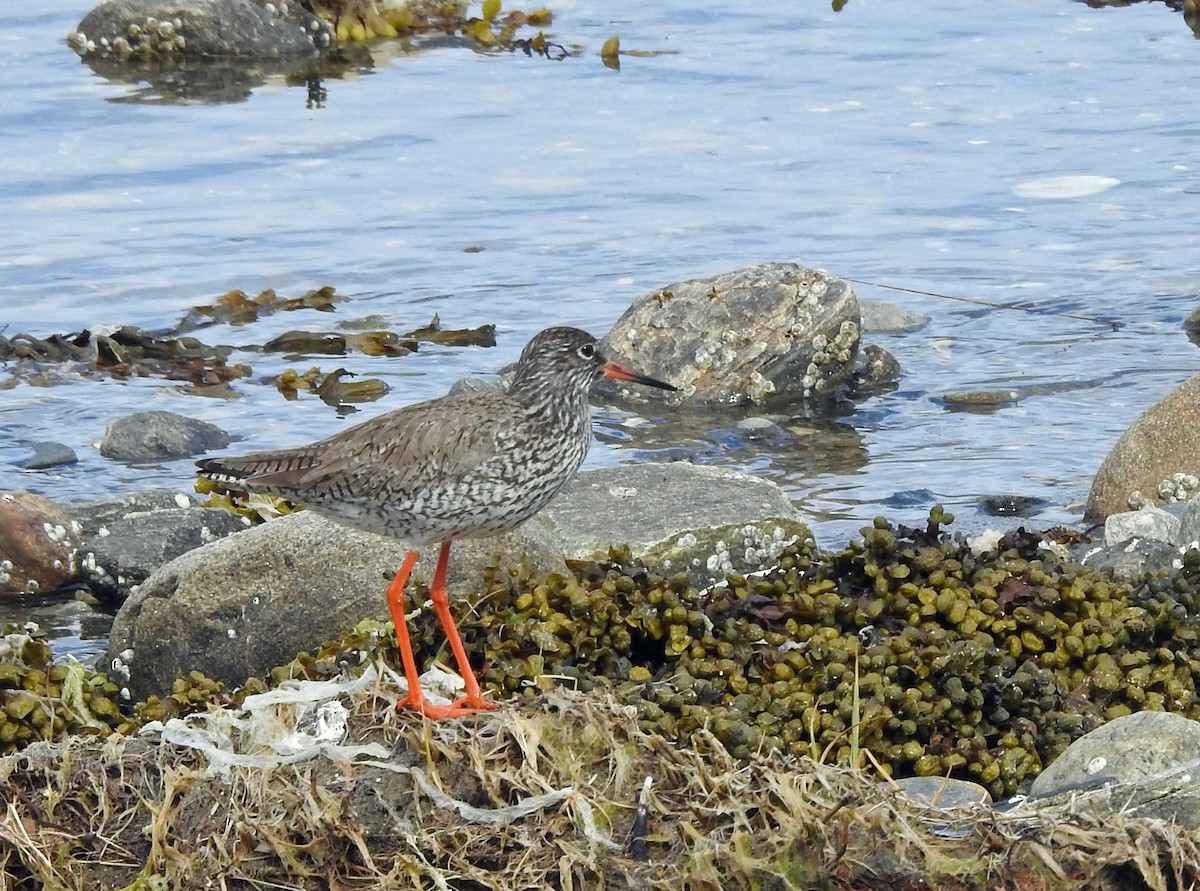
<point x="473" y="700"/>
<point x="468" y="704"/>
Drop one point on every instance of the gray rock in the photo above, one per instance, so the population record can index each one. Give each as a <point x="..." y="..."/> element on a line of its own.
<point x="1158" y="445"/>
<point x="1130" y="749"/>
<point x="1142" y="765"/>
<point x="123" y="550"/>
<point x="93" y="516"/>
<point x="159" y="436"/>
<point x="1189" y="521"/>
<point x="1129" y="560"/>
<point x="178" y="30"/>
<point x="881" y="316"/>
<point x="1148" y="523"/>
<point x="46" y="455"/>
<point x="239" y="606"/>
<point x="705" y="521"/>
<point x="775" y="333"/>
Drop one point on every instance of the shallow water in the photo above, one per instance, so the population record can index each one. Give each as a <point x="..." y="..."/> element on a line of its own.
<point x="1028" y="155"/>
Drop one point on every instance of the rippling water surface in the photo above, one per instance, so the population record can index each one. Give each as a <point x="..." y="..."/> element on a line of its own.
<point x="1041" y="156"/>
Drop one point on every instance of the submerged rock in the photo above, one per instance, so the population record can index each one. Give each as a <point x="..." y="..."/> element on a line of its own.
<point x="46" y="455"/>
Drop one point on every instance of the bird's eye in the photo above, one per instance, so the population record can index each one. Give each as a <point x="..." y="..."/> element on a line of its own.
<point x="588" y="350"/>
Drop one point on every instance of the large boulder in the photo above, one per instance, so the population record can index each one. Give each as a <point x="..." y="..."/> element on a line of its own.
<point x="1159" y="444"/>
<point x="676" y="517"/>
<point x="239" y="606"/>
<point x="772" y="334"/>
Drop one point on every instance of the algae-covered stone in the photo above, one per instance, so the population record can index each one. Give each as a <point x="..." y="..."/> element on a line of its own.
<point x="702" y="521"/>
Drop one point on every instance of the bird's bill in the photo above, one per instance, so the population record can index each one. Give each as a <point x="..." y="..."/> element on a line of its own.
<point x="620" y="372"/>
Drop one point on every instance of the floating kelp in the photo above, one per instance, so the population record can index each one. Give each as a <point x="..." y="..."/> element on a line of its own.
<point x="123" y="352"/>
<point x="307" y="343"/>
<point x="339" y="393"/>
<point x="484" y="335"/>
<point x="383" y="343"/>
<point x="238" y="308"/>
<point x="126" y="352"/>
<point x="331" y="388"/>
<point x="370" y="343"/>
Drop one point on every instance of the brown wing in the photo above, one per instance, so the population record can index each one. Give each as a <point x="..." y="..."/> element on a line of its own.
<point x="394" y="454"/>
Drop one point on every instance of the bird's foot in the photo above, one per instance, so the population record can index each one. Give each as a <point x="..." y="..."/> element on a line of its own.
<point x="460" y="708"/>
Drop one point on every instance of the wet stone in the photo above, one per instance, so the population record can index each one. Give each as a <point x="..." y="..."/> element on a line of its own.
<point x="124" y="552"/>
<point x="46" y="455"/>
<point x="771" y="334"/>
<point x="160" y="436"/>
<point x="37" y="544"/>
<point x="1151" y="523"/>
<point x="166" y="30"/>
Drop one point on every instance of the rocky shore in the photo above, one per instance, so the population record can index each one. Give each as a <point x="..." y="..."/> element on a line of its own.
<point x="1021" y="705"/>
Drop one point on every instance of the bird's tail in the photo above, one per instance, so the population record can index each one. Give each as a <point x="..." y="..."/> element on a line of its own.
<point x="277" y="470"/>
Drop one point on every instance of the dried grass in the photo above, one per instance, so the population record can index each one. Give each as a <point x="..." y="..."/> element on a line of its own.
<point x="567" y="793"/>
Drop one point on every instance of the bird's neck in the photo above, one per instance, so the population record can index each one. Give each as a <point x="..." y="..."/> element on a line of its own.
<point x="539" y="398"/>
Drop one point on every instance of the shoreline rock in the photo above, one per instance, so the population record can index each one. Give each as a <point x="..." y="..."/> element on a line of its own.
<point x="1147" y="462"/>
<point x="239" y="606"/>
<point x="200" y="30"/>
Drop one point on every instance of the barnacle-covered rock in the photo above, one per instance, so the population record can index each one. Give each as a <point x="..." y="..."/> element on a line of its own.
<point x="174" y="30"/>
<point x="38" y="543"/>
<point x="775" y="333"/>
<point x="677" y="517"/>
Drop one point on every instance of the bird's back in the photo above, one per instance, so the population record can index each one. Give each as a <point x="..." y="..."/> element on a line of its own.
<point x="463" y="466"/>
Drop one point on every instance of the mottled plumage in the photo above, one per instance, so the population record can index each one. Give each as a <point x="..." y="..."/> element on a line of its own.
<point x="462" y="466"/>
